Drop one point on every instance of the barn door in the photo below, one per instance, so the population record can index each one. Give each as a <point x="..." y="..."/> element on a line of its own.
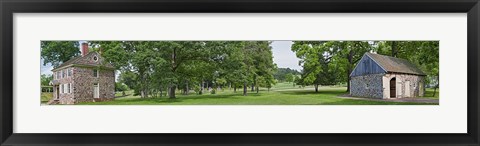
<point x="392" y="88"/>
<point x="407" y="89"/>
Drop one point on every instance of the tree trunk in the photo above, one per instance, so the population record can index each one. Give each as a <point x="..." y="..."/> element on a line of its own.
<point x="394" y="49"/>
<point x="142" y="94"/>
<point x="316" y="87"/>
<point x="207" y="87"/>
<point x="349" y="68"/>
<point x="257" y="89"/>
<point x="253" y="87"/>
<point x="185" y="90"/>
<point x="171" y="95"/>
<point x="234" y="89"/>
<point x="245" y="89"/>
<point x="435" y="89"/>
<point x="201" y="88"/>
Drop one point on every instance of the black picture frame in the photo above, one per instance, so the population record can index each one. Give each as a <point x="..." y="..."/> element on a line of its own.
<point x="9" y="7"/>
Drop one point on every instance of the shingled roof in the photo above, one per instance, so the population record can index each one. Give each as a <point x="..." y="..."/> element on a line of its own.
<point x="395" y="65"/>
<point x="86" y="61"/>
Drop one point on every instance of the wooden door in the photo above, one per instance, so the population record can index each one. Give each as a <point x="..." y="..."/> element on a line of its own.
<point x="57" y="92"/>
<point x="96" y="91"/>
<point x="393" y="90"/>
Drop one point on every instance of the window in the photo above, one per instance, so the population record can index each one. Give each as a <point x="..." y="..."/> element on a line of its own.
<point x="68" y="88"/>
<point x="95" y="58"/>
<point x="63" y="73"/>
<point x="71" y="88"/>
<point x="70" y="70"/>
<point x="95" y="73"/>
<point x="65" y="88"/>
<point x="58" y="75"/>
<point x="61" y="88"/>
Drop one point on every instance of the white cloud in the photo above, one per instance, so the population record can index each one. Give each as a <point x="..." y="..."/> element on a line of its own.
<point x="283" y="56"/>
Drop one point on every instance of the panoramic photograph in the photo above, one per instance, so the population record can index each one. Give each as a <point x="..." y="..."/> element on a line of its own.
<point x="89" y="72"/>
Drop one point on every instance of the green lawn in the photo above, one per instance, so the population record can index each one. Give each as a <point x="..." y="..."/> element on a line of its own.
<point x="46" y="96"/>
<point x="281" y="94"/>
<point x="429" y="93"/>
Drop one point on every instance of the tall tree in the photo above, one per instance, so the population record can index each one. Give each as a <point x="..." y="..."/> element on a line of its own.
<point x="58" y="52"/>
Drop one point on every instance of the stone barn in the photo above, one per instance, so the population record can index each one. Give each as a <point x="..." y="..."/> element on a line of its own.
<point x="86" y="78"/>
<point x="379" y="76"/>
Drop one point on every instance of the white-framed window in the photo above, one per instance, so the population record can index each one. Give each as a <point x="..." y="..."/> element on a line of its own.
<point x="68" y="88"/>
<point x="64" y="72"/>
<point x="64" y="88"/>
<point x="71" y="88"/>
<point x="61" y="88"/>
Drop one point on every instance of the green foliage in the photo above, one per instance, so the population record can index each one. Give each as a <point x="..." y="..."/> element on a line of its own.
<point x="120" y="87"/>
<point x="281" y="73"/>
<point x="57" y="52"/>
<point x="45" y="79"/>
<point x="150" y="67"/>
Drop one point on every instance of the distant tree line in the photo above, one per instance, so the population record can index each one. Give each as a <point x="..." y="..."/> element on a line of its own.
<point x="283" y="74"/>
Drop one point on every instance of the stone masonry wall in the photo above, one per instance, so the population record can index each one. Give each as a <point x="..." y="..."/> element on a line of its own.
<point x="367" y="86"/>
<point x="64" y="98"/>
<point x="84" y="81"/>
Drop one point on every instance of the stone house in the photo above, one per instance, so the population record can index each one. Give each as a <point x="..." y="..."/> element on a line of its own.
<point x="379" y="76"/>
<point x="86" y="78"/>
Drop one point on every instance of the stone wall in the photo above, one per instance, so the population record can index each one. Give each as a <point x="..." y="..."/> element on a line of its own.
<point x="401" y="79"/>
<point x="84" y="81"/>
<point x="64" y="98"/>
<point x="367" y="86"/>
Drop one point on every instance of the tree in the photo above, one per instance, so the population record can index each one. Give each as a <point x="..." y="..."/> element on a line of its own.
<point x="316" y="57"/>
<point x="289" y="77"/>
<point x="45" y="79"/>
<point x="150" y="67"/>
<point x="281" y="73"/>
<point x="58" y="52"/>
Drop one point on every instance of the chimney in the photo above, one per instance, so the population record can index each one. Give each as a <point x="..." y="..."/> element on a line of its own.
<point x="84" y="49"/>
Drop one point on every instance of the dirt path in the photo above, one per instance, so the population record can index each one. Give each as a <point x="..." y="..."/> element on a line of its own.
<point x="417" y="100"/>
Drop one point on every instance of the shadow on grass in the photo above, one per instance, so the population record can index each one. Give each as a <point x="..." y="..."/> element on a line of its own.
<point x="182" y="98"/>
<point x="308" y="92"/>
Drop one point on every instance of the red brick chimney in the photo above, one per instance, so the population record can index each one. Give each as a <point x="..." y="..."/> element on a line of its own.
<point x="84" y="49"/>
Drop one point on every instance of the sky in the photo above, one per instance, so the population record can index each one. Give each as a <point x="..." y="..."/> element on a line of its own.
<point x="283" y="56"/>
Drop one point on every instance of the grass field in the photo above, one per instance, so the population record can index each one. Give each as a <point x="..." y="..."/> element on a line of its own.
<point x="280" y="94"/>
<point x="46" y="96"/>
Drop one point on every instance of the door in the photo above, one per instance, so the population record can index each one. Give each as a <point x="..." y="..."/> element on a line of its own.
<point x="96" y="91"/>
<point x="392" y="88"/>
<point x="57" y="92"/>
<point x="407" y="89"/>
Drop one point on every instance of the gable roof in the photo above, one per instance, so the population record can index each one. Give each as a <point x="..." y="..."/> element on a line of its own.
<point x="395" y="65"/>
<point x="86" y="61"/>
